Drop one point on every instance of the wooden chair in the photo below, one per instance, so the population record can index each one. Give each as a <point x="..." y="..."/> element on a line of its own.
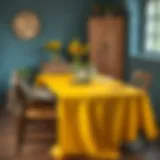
<point x="33" y="109"/>
<point x="141" y="79"/>
<point x="27" y="103"/>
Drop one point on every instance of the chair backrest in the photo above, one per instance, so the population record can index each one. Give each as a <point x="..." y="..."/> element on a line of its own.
<point x="15" y="100"/>
<point x="30" y="92"/>
<point x="141" y="79"/>
<point x="34" y="93"/>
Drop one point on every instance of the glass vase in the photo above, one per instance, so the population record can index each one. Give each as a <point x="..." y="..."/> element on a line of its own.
<point x="81" y="72"/>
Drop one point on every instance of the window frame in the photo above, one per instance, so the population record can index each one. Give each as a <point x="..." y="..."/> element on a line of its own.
<point x="143" y="31"/>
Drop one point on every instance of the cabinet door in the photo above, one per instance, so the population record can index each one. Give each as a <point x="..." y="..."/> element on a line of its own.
<point x="114" y="40"/>
<point x="96" y="35"/>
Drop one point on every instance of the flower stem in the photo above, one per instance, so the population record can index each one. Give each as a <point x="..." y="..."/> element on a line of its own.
<point x="77" y="59"/>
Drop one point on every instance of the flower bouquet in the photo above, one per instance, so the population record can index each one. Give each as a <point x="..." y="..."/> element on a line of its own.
<point x="80" y="68"/>
<point x="55" y="48"/>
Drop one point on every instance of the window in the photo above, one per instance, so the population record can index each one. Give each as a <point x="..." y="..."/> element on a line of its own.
<point x="152" y="26"/>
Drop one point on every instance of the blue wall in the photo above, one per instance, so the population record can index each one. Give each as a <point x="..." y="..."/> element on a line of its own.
<point x="61" y="19"/>
<point x="138" y="59"/>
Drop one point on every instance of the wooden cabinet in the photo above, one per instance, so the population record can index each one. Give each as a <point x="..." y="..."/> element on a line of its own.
<point x="107" y="40"/>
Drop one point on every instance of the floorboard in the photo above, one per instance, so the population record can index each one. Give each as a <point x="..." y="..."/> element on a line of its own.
<point x="40" y="151"/>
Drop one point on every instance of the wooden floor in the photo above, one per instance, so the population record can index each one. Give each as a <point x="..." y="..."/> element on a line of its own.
<point x="31" y="150"/>
<point x="40" y="151"/>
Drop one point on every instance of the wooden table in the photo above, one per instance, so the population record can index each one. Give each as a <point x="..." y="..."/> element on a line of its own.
<point x="96" y="118"/>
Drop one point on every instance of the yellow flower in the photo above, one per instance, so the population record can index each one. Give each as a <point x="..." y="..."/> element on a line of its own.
<point x="54" y="46"/>
<point x="76" y="48"/>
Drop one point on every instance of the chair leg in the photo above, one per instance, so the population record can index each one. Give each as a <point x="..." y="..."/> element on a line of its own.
<point x="20" y="134"/>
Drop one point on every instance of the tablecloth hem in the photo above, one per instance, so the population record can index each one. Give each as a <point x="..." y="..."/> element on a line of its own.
<point x="60" y="154"/>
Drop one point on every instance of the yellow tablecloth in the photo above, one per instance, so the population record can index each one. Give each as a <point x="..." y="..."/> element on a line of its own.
<point x="95" y="119"/>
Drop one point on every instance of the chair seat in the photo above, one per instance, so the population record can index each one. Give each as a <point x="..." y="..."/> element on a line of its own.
<point x="36" y="113"/>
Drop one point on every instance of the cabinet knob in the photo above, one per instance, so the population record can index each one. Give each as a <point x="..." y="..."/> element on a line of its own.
<point x="104" y="48"/>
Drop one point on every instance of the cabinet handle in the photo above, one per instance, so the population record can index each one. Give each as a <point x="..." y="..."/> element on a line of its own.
<point x="105" y="48"/>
